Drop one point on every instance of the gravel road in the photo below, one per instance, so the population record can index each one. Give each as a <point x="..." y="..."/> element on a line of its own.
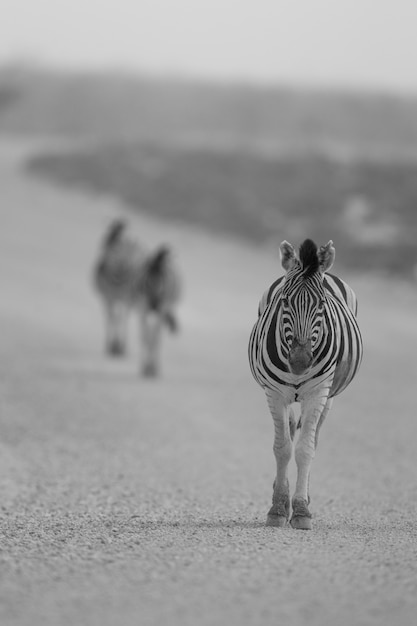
<point x="136" y="502"/>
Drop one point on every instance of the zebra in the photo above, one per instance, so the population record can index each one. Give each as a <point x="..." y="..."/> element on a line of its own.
<point x="158" y="292"/>
<point x="305" y="347"/>
<point x="115" y="274"/>
<point x="129" y="278"/>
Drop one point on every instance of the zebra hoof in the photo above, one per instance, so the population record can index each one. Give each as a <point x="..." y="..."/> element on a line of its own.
<point x="301" y="523"/>
<point x="149" y="371"/>
<point x="116" y="349"/>
<point x="278" y="521"/>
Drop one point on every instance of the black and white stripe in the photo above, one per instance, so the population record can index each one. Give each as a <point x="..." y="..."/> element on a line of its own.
<point x="305" y="347"/>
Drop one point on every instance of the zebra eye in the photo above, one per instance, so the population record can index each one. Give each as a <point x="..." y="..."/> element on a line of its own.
<point x="285" y="301"/>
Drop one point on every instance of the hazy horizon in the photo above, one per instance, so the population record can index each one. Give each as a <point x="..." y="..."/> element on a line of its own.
<point x="325" y="44"/>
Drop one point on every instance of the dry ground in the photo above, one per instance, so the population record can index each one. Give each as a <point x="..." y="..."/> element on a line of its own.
<point x="125" y="501"/>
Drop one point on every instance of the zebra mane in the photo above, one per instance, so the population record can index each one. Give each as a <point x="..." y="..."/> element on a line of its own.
<point x="308" y="258"/>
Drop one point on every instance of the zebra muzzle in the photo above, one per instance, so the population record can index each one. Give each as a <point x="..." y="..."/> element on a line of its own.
<point x="300" y="356"/>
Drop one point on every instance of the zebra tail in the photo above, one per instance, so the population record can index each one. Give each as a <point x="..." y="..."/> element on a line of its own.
<point x="294" y="425"/>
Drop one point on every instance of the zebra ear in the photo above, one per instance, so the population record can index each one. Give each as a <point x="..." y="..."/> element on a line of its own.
<point x="326" y="255"/>
<point x="288" y="257"/>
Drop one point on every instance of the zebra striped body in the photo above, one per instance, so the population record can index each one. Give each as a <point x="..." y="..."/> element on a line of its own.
<point x="158" y="293"/>
<point x="305" y="347"/>
<point x="115" y="275"/>
<point x="128" y="278"/>
<point x="338" y="349"/>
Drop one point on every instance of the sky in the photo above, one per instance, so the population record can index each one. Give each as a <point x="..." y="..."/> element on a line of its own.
<point x="368" y="44"/>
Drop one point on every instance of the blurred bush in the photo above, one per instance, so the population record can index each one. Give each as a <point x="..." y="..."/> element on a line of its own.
<point x="263" y="163"/>
<point x="367" y="207"/>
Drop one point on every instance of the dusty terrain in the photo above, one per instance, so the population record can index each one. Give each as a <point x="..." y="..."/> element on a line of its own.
<point x="126" y="501"/>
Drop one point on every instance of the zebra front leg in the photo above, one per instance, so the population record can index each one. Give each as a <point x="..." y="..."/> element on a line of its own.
<point x="116" y="314"/>
<point x="313" y="413"/>
<point x="280" y="510"/>
<point x="151" y="337"/>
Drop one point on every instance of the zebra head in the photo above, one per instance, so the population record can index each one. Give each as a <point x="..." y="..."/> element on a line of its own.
<point x="115" y="232"/>
<point x="303" y="300"/>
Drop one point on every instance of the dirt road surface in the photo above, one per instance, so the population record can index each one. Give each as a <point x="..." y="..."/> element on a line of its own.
<point x="139" y="502"/>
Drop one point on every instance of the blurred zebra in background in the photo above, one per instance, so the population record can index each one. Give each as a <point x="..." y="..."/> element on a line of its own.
<point x="305" y="347"/>
<point x="116" y="273"/>
<point x="129" y="278"/>
<point x="158" y="293"/>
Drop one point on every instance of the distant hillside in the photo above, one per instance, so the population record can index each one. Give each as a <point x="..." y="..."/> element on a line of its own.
<point x="274" y="118"/>
<point x="368" y="208"/>
<point x="255" y="162"/>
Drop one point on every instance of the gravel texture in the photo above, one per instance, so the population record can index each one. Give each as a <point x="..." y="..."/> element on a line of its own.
<point x="126" y="501"/>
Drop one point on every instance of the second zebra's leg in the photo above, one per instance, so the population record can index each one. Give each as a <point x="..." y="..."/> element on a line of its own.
<point x="150" y="330"/>
<point x="116" y="327"/>
<point x="313" y="413"/>
<point x="279" y="512"/>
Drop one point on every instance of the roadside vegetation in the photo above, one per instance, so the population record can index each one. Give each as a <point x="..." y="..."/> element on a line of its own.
<point x="263" y="164"/>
